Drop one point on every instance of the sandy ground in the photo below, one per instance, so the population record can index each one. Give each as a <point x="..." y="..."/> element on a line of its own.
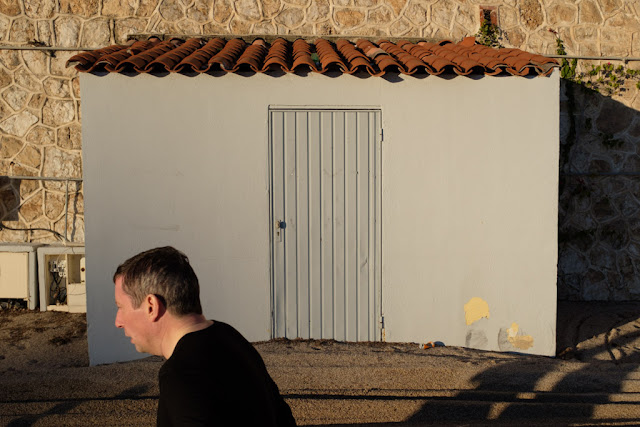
<point x="45" y="379"/>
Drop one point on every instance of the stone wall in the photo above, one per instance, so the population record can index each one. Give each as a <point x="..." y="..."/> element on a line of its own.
<point x="599" y="218"/>
<point x="40" y="103"/>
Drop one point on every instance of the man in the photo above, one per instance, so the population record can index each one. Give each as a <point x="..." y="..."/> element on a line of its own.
<point x="212" y="376"/>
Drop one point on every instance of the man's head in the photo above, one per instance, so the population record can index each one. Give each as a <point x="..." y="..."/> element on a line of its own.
<point x="147" y="287"/>
<point x="166" y="273"/>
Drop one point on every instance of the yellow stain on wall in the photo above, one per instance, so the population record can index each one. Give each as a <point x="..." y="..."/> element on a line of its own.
<point x="522" y="342"/>
<point x="475" y="309"/>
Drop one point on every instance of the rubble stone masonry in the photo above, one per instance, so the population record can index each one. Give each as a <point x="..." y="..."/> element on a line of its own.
<point x="599" y="221"/>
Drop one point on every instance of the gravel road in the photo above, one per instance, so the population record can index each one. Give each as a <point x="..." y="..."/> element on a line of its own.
<point x="45" y="380"/>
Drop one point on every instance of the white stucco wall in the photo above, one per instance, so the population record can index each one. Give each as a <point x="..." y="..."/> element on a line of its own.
<point x="469" y="203"/>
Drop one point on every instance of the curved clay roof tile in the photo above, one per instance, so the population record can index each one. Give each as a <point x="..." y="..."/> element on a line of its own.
<point x="252" y="56"/>
<point x="86" y="61"/>
<point x="328" y="56"/>
<point x="228" y="55"/>
<point x="277" y="55"/>
<point x="198" y="61"/>
<point x="142" y="45"/>
<point x="427" y="45"/>
<point x="356" y="59"/>
<point x="387" y="63"/>
<point x="301" y="57"/>
<point x="420" y="52"/>
<point x="405" y="61"/>
<point x="440" y="65"/>
<point x="366" y="46"/>
<point x="139" y="61"/>
<point x="167" y="61"/>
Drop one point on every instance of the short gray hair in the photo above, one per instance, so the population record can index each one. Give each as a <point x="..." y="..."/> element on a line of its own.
<point x="166" y="273"/>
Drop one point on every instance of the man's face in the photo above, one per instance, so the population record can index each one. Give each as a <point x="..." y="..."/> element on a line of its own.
<point x="134" y="320"/>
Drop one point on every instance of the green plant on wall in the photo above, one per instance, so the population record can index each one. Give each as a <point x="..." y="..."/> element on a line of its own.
<point x="567" y="69"/>
<point x="489" y="34"/>
<point x="606" y="79"/>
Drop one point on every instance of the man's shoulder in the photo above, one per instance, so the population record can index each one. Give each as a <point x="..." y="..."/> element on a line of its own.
<point x="208" y="344"/>
<point x="220" y="333"/>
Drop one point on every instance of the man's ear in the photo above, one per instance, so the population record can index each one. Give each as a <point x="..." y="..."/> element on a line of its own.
<point x="155" y="307"/>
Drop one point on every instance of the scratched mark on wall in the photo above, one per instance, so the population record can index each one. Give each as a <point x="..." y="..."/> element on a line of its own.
<point x="475" y="309"/>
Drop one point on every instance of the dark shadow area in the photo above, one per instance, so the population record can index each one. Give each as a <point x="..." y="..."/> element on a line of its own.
<point x="99" y="73"/>
<point x="505" y="394"/>
<point x="66" y="405"/>
<point x="73" y="209"/>
<point x="11" y="205"/>
<point x="189" y="73"/>
<point x="275" y="72"/>
<point x="599" y="197"/>
<point x="159" y="73"/>
<point x="392" y="77"/>
<point x="245" y="71"/>
<point x="606" y="331"/>
<point x="9" y="198"/>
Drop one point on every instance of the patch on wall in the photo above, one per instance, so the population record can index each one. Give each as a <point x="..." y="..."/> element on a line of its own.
<point x="475" y="309"/>
<point x="512" y="339"/>
<point x="476" y="339"/>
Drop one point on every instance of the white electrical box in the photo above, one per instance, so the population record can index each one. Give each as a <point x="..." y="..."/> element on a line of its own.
<point x="14" y="275"/>
<point x="18" y="272"/>
<point x="62" y="279"/>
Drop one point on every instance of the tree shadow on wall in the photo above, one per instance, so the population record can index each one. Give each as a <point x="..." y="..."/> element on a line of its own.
<point x="9" y="198"/>
<point x="11" y="204"/>
<point x="599" y="196"/>
<point x="74" y="209"/>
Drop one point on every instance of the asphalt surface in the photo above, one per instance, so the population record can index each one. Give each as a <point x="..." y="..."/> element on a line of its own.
<point x="44" y="380"/>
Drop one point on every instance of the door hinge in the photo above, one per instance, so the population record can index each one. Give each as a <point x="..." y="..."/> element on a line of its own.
<point x="381" y="135"/>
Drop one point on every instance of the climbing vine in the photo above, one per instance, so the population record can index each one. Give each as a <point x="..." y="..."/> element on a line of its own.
<point x="567" y="68"/>
<point x="606" y="79"/>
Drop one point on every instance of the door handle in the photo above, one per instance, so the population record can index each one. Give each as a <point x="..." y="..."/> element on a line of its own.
<point x="281" y="225"/>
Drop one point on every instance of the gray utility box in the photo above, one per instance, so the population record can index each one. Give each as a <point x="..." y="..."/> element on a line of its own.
<point x="61" y="276"/>
<point x="18" y="272"/>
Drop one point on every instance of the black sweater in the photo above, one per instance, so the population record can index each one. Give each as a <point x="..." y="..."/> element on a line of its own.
<point x="215" y="377"/>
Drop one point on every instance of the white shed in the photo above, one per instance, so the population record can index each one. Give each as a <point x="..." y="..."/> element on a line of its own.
<point x="372" y="200"/>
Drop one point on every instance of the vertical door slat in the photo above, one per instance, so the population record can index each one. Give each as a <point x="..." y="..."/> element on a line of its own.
<point x="315" y="240"/>
<point x="290" y="232"/>
<point x="339" y="226"/>
<point x="277" y="188"/>
<point x="303" y="207"/>
<point x="326" y="180"/>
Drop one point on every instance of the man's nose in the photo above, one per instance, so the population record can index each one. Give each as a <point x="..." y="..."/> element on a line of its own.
<point x="118" y="322"/>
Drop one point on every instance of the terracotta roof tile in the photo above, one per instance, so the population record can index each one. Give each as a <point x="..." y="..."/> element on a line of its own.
<point x="278" y="55"/>
<point x="197" y="55"/>
<point x="198" y="60"/>
<point x="302" y="56"/>
<point x="228" y="56"/>
<point x="329" y="58"/>
<point x="171" y="58"/>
